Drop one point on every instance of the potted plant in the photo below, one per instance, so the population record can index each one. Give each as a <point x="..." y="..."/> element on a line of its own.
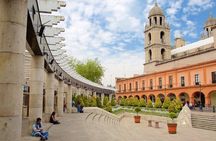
<point x="137" y="117"/>
<point x="174" y="108"/>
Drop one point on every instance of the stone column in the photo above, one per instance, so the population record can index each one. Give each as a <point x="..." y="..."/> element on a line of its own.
<point x="12" y="49"/>
<point x="191" y="100"/>
<point x="95" y="94"/>
<point x="36" y="87"/>
<point x="110" y="97"/>
<point x="69" y="98"/>
<point x="60" y="98"/>
<point x="49" y="96"/>
<point x="102" y="98"/>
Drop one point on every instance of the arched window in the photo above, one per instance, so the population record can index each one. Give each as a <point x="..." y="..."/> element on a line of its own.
<point x="150" y="22"/>
<point x="149" y="38"/>
<point x="150" y="55"/>
<point x="160" y="20"/>
<point x="163" y="53"/>
<point x="155" y="19"/>
<point x="162" y="34"/>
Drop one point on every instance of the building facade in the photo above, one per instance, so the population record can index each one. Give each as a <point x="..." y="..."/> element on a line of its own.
<point x="187" y="72"/>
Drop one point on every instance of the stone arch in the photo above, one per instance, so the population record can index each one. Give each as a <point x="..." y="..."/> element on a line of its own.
<point x="125" y="97"/>
<point x="120" y="97"/>
<point x="136" y="96"/>
<point x="199" y="98"/>
<point x="162" y="36"/>
<point x="162" y="97"/>
<point x="150" y="55"/>
<point x="212" y="97"/>
<point x="163" y="52"/>
<point x="172" y="96"/>
<point x="144" y="97"/>
<point x="152" y="97"/>
<point x="184" y="97"/>
<point x="130" y="96"/>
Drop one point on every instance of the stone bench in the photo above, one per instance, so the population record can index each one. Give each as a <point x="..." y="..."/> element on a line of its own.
<point x="156" y="123"/>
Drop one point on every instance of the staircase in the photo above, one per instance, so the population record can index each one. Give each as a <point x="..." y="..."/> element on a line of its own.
<point x="205" y="121"/>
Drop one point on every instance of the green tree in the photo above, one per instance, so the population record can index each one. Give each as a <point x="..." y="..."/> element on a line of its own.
<point x="158" y="103"/>
<point x="142" y="102"/>
<point x="113" y="102"/>
<point x="105" y="101"/>
<point x="149" y="104"/>
<point x="98" y="101"/>
<point x="91" y="69"/>
<point x="166" y="103"/>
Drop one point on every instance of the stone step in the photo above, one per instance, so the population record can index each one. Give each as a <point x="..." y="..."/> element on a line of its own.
<point x="204" y="121"/>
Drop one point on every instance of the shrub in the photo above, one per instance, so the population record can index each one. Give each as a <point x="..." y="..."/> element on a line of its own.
<point x="142" y="102"/>
<point x="166" y="103"/>
<point x="98" y="101"/>
<point x="137" y="110"/>
<point x="105" y="101"/>
<point x="149" y="104"/>
<point x="122" y="102"/>
<point x="108" y="107"/>
<point x="113" y="102"/>
<point x="158" y="103"/>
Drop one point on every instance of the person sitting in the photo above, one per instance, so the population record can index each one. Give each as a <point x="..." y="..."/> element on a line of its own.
<point x="52" y="119"/>
<point x="37" y="130"/>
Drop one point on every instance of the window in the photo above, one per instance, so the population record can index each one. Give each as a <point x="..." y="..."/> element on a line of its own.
<point x="150" y="55"/>
<point x="182" y="81"/>
<point x="151" y="84"/>
<point x="160" y="20"/>
<point x="162" y="34"/>
<point x="150" y="21"/>
<point x="130" y="87"/>
<point x="155" y="19"/>
<point x="149" y="38"/>
<point x="143" y="85"/>
<point x="197" y="81"/>
<point x="214" y="77"/>
<point x="119" y="88"/>
<point x="136" y="86"/>
<point x="170" y="81"/>
<point x="163" y="53"/>
<point x="124" y="87"/>
<point x="160" y="83"/>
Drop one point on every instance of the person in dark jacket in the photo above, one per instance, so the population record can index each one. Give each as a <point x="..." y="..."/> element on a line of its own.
<point x="53" y="119"/>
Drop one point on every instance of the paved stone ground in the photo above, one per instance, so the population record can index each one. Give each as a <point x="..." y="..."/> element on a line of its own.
<point x="75" y="127"/>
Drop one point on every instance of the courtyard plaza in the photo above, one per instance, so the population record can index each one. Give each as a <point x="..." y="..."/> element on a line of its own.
<point x="93" y="127"/>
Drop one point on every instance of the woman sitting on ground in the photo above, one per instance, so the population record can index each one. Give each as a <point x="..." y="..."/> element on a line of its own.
<point x="53" y="120"/>
<point x="37" y="130"/>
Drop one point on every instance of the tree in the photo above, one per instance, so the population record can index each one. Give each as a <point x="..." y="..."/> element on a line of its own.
<point x="105" y="101"/>
<point x="98" y="101"/>
<point x="149" y="104"/>
<point x="90" y="69"/>
<point x="142" y="102"/>
<point x="158" y="103"/>
<point x="166" y="103"/>
<point x="113" y="102"/>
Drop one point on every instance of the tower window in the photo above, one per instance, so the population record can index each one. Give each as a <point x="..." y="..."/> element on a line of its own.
<point x="150" y="22"/>
<point x="155" y="19"/>
<point x="150" y="55"/>
<point x="130" y="87"/>
<point x="214" y="77"/>
<point x="163" y="53"/>
<point x="160" y="20"/>
<point x="151" y="84"/>
<point x="149" y="37"/>
<point x="162" y="34"/>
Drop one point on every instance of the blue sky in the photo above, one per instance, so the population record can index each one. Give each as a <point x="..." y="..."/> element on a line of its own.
<point x="112" y="30"/>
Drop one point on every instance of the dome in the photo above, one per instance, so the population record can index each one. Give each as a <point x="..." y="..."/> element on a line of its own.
<point x="156" y="10"/>
<point x="210" y="22"/>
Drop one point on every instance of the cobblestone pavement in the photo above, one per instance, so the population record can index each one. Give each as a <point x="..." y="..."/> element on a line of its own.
<point x="75" y="127"/>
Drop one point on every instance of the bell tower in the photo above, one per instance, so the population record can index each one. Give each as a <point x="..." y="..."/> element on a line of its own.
<point x="157" y="39"/>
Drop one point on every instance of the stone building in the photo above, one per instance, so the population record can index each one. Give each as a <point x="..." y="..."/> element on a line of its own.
<point x="187" y="71"/>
